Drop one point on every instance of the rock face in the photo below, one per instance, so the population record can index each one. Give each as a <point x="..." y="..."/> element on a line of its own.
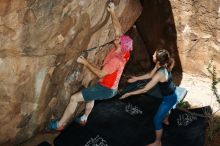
<point x="40" y="41"/>
<point x="189" y="29"/>
<point x="198" y="33"/>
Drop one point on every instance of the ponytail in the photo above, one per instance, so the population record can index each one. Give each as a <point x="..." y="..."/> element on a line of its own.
<point x="171" y="64"/>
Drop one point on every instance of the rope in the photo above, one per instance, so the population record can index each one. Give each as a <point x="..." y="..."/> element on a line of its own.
<point x="94" y="48"/>
<point x="195" y="114"/>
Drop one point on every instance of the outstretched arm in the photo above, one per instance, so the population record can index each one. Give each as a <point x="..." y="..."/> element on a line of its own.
<point x="115" y="21"/>
<point x="151" y="84"/>
<point x="92" y="68"/>
<point x="145" y="76"/>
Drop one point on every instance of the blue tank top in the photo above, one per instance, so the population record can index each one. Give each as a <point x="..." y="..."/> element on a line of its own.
<point x="168" y="87"/>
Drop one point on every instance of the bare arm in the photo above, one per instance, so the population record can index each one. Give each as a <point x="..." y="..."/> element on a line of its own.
<point x="92" y="68"/>
<point x="145" y="76"/>
<point x="156" y="78"/>
<point x="115" y="21"/>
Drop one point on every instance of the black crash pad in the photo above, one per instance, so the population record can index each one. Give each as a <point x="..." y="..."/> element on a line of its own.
<point x="130" y="123"/>
<point x="115" y="123"/>
<point x="187" y="128"/>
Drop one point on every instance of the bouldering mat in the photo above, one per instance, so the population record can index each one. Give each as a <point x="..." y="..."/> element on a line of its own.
<point x="129" y="123"/>
<point x="187" y="128"/>
<point x="114" y="123"/>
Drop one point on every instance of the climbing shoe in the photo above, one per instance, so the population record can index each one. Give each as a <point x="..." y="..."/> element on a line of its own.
<point x="81" y="120"/>
<point x="53" y="126"/>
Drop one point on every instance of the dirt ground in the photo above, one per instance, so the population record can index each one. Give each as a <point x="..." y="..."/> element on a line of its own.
<point x="199" y="92"/>
<point x="215" y="140"/>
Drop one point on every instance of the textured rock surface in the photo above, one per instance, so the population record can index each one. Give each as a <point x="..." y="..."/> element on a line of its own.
<point x="189" y="29"/>
<point x="198" y="28"/>
<point x="40" y="41"/>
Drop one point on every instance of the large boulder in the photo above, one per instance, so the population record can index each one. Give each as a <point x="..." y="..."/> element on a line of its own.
<point x="189" y="29"/>
<point x="198" y="34"/>
<point x="40" y="41"/>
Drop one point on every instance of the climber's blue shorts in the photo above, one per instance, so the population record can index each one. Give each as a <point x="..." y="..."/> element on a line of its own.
<point x="163" y="110"/>
<point x="98" y="92"/>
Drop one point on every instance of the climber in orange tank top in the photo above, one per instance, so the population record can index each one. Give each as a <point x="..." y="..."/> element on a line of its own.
<point x="109" y="76"/>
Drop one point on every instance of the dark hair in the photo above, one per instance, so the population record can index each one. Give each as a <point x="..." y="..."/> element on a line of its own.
<point x="163" y="56"/>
